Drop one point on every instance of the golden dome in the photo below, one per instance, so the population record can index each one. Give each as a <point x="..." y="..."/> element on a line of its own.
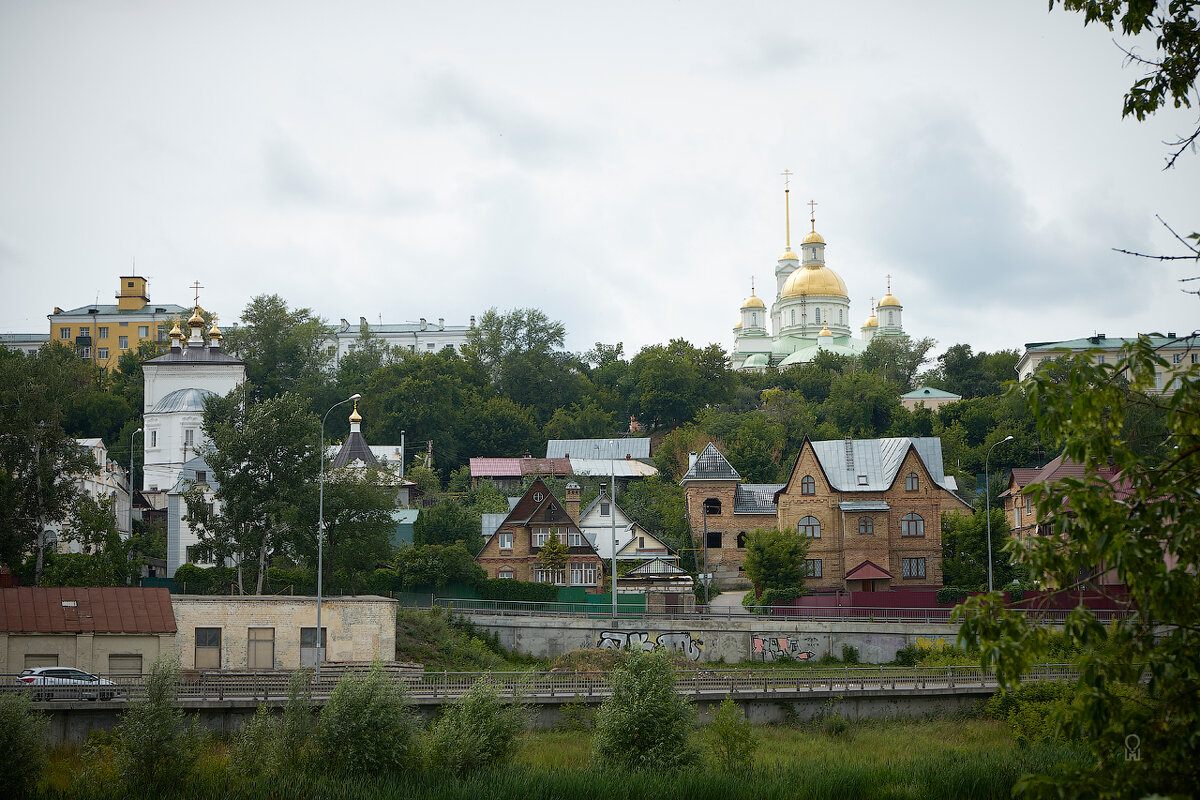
<point x="354" y="415"/>
<point x="825" y="331"/>
<point x="889" y="299"/>
<point x="814" y="281"/>
<point x="196" y="319"/>
<point x="814" y="238"/>
<point x="175" y="332"/>
<point x="788" y="255"/>
<point x="872" y="322"/>
<point x="753" y="301"/>
<point x="738" y="327"/>
<point x="214" y="332"/>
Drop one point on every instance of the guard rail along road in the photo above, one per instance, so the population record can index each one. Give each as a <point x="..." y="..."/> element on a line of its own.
<point x="432" y="688"/>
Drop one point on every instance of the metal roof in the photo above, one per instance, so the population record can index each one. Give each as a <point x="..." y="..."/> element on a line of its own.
<point x="617" y="467"/>
<point x="195" y="355"/>
<point x="755" y="498"/>
<point x="112" y="308"/>
<point x="114" y="609"/>
<point x="495" y="467"/>
<point x="354" y="448"/>
<point x="656" y="567"/>
<point x="182" y="400"/>
<point x="490" y="523"/>
<point x="598" y="448"/>
<point x="870" y="465"/>
<point x="711" y="466"/>
<point x="929" y="391"/>
<point x="864" y="505"/>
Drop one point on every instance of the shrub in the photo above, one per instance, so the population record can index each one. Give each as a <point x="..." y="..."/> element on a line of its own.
<point x="367" y="726"/>
<point x="850" y="654"/>
<point x="21" y="757"/>
<point x="951" y="595"/>
<point x="644" y="723"/>
<point x="476" y="732"/>
<point x="155" y="746"/>
<point x="278" y="745"/>
<point x="1029" y="710"/>
<point x="509" y="589"/>
<point x="731" y="738"/>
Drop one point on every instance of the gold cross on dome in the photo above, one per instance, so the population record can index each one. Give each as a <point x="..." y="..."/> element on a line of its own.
<point x="812" y="207"/>
<point x="197" y="287"/>
<point x="787" y="179"/>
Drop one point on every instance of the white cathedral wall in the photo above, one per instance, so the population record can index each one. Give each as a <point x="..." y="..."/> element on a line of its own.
<point x="166" y="448"/>
<point x="163" y="379"/>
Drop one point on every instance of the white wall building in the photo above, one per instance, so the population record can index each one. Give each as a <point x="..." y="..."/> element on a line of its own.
<point x="415" y="337"/>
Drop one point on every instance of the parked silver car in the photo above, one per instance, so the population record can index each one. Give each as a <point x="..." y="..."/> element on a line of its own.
<point x="48" y="683"/>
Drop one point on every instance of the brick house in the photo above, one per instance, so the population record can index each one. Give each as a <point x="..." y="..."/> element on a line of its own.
<point x="870" y="508"/>
<point x="511" y="550"/>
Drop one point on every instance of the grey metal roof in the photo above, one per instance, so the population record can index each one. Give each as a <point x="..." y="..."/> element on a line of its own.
<point x="191" y="399"/>
<point x="870" y="465"/>
<point x="112" y="308"/>
<point x="616" y="467"/>
<point x="354" y="449"/>
<point x="598" y="448"/>
<point x="187" y="476"/>
<point x="491" y="523"/>
<point x="711" y="466"/>
<point x="657" y="567"/>
<point x="755" y="498"/>
<point x="928" y="391"/>
<point x="195" y="355"/>
<point x="864" y="505"/>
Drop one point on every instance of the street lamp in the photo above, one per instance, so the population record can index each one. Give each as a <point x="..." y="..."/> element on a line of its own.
<point x="987" y="494"/>
<point x="321" y="530"/>
<point x="130" y="481"/>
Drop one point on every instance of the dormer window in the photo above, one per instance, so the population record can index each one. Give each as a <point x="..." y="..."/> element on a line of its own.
<point x="604" y="509"/>
<point x="538" y="497"/>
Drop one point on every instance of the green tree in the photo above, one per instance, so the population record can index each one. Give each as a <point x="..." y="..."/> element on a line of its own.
<point x="367" y="727"/>
<point x="775" y="559"/>
<point x="264" y="459"/>
<point x="477" y="731"/>
<point x="964" y="551"/>
<point x="670" y="383"/>
<point x="896" y="358"/>
<point x="499" y="427"/>
<point x="156" y="747"/>
<point x="554" y="553"/>
<point x="755" y="448"/>
<point x="21" y="746"/>
<point x="588" y="421"/>
<point x="1138" y="675"/>
<point x="447" y="522"/>
<point x="285" y="349"/>
<point x="435" y="565"/>
<point x="645" y="723"/>
<point x="731" y="738"/>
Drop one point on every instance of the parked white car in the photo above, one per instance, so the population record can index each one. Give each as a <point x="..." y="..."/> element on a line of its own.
<point x="48" y="683"/>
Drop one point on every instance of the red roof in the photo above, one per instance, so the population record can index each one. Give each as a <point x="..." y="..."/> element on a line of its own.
<point x="867" y="571"/>
<point x="545" y="466"/>
<point x="495" y="467"/>
<point x="52" y="609"/>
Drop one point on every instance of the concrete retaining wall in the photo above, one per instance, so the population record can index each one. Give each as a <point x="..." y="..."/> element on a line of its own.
<point x="707" y="640"/>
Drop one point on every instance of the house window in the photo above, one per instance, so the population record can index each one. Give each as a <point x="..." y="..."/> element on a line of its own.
<point x="1016" y="516"/>
<point x="574" y="539"/>
<point x="891" y="319"/>
<point x="64" y="333"/>
<point x="841" y="319"/>
<point x="85" y="330"/>
<point x="85" y="352"/>
<point x="712" y="506"/>
<point x="1158" y="381"/>
<point x="793" y="316"/>
<point x="538" y="497"/>
<point x="102" y="353"/>
<point x="753" y="319"/>
<point x="208" y="648"/>
<point x="604" y="509"/>
<point x="506" y="541"/>
<point x="505" y="574"/>
<point x="154" y="438"/>
<point x="812" y="567"/>
<point x="912" y="525"/>
<point x="1101" y="359"/>
<point x="143" y="331"/>
<point x="125" y="664"/>
<point x="162" y="332"/>
<point x="912" y="567"/>
<point x="201" y="476"/>
<point x="123" y="342"/>
<point x="714" y="539"/>
<point x="641" y="543"/>
<point x="1175" y="359"/>
<point x="102" y="333"/>
<point x="308" y="637"/>
<point x="810" y="527"/>
<point x="741" y="540"/>
<point x="555" y="576"/>
<point x="910" y="482"/>
<point x="260" y="648"/>
<point x="808" y="485"/>
<point x="187" y="437"/>
<point x="1028" y="505"/>
<point x="866" y="526"/>
<point x="583" y="574"/>
<point x="540" y="535"/>
<point x="1195" y="358"/>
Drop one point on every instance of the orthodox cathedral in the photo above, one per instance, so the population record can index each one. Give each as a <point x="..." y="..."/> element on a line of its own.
<point x="811" y="312"/>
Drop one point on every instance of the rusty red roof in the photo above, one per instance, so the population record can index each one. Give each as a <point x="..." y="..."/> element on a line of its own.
<point x="114" y="609"/>
<point x="495" y="468"/>
<point x="545" y="466"/>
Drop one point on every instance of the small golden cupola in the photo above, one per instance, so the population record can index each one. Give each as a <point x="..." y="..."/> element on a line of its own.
<point x="214" y="333"/>
<point x="355" y="419"/>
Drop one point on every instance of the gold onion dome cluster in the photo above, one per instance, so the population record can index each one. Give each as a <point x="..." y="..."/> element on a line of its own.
<point x="889" y="299"/>
<point x="753" y="301"/>
<point x="872" y="322"/>
<point x="814" y="280"/>
<point x="814" y="238"/>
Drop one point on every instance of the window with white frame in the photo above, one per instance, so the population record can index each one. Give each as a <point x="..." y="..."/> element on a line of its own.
<point x="812" y="567"/>
<point x="583" y="573"/>
<point x="102" y="353"/>
<point x="505" y="574"/>
<point x="810" y="527"/>
<point x="102" y="333"/>
<point x="555" y="576"/>
<point x="85" y="330"/>
<point x="1175" y="359"/>
<point x="540" y="535"/>
<point x="538" y="497"/>
<point x="123" y="342"/>
<point x="64" y="333"/>
<point x="143" y="331"/>
<point x="912" y="525"/>
<point x="912" y="567"/>
<point x="574" y="539"/>
<point x="506" y="541"/>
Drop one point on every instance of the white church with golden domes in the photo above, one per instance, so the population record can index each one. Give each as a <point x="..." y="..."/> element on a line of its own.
<point x="811" y="312"/>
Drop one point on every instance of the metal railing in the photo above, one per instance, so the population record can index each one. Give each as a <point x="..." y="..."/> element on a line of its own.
<point x="525" y="608"/>
<point x="236" y="687"/>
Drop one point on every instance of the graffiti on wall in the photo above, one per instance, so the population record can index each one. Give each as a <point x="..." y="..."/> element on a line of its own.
<point x="775" y="646"/>
<point x="682" y="641"/>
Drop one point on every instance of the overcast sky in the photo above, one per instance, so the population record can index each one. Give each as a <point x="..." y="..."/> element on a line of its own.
<point x="615" y="164"/>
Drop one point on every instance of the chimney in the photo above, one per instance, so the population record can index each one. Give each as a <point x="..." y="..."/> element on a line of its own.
<point x="345" y="325"/>
<point x="692" y="456"/>
<point x="472" y="317"/>
<point x="362" y="322"/>
<point x="424" y="324"/>
<point x="441" y="323"/>
<point x="572" y="503"/>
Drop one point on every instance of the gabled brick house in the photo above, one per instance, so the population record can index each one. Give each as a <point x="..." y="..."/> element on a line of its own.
<point x="871" y="510"/>
<point x="511" y="551"/>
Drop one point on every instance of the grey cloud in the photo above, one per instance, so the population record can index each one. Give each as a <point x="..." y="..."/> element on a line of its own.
<point x="291" y="175"/>
<point x="772" y="52"/>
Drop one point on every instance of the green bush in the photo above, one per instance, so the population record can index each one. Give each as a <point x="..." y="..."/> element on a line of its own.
<point x="478" y="731"/>
<point x="731" y="738"/>
<point x="508" y="589"/>
<point x="1030" y="710"/>
<point x="191" y="579"/>
<point x="156" y="747"/>
<point x="644" y="723"/>
<point x="948" y="595"/>
<point x="850" y="654"/>
<point x="278" y="745"/>
<point x="21" y="732"/>
<point x="367" y="726"/>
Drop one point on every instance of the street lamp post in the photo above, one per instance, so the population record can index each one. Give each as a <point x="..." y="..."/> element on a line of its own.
<point x="987" y="504"/>
<point x="612" y="474"/>
<point x="130" y="481"/>
<point x="321" y="531"/>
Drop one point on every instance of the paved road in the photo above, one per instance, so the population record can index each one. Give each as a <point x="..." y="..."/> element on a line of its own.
<point x="729" y="603"/>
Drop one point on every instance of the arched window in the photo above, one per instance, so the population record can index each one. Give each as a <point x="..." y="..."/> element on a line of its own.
<point x="891" y="318"/>
<point x="741" y="540"/>
<point x="910" y="482"/>
<point x="753" y="319"/>
<point x="810" y="527"/>
<point x="712" y="506"/>
<point x="912" y="525"/>
<point x="808" y="485"/>
<point x="793" y="316"/>
<point x="841" y="319"/>
<point x="866" y="526"/>
<point x="818" y="318"/>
